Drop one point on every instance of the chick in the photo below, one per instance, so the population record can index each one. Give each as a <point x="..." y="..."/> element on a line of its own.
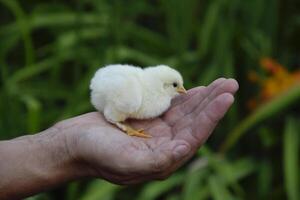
<point x="124" y="91"/>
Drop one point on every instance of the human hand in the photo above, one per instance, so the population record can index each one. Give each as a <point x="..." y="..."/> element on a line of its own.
<point x="102" y="150"/>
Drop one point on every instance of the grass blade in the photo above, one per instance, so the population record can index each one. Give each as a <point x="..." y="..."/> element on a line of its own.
<point x="99" y="189"/>
<point x="290" y="160"/>
<point x="153" y="190"/>
<point x="264" y="112"/>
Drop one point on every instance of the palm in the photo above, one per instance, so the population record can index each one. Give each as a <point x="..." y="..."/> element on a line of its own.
<point x="187" y="113"/>
<point x="187" y="124"/>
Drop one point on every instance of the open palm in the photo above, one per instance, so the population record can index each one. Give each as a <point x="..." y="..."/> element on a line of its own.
<point x="176" y="135"/>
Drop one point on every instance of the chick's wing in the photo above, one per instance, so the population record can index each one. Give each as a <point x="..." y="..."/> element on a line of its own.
<point x="125" y="94"/>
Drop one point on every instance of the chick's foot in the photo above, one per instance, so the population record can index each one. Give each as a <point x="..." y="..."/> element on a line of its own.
<point x="139" y="133"/>
<point x="133" y="132"/>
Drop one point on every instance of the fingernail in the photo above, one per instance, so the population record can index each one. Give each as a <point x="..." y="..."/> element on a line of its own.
<point x="180" y="152"/>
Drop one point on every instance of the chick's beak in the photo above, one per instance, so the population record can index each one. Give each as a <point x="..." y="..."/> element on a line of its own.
<point x="181" y="90"/>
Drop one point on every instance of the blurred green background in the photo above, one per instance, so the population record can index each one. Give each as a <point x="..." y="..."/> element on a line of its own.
<point x="49" y="51"/>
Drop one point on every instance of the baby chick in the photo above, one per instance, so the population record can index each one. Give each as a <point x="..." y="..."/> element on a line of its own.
<point x="124" y="91"/>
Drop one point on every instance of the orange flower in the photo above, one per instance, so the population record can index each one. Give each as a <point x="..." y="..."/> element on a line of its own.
<point x="278" y="81"/>
<point x="272" y="66"/>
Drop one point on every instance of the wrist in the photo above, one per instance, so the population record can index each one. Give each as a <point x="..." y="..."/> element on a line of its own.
<point x="69" y="140"/>
<point x="59" y="161"/>
<point x="34" y="163"/>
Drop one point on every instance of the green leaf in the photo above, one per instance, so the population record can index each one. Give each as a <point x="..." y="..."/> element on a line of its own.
<point x="265" y="173"/>
<point x="208" y="27"/>
<point x="179" y="22"/>
<point x="218" y="189"/>
<point x="126" y="53"/>
<point x="194" y="183"/>
<point x="72" y="191"/>
<point x="291" y="158"/>
<point x="24" y="28"/>
<point x="33" y="113"/>
<point x="99" y="189"/>
<point x="264" y="112"/>
<point x="28" y="72"/>
<point x="173" y="197"/>
<point x="235" y="170"/>
<point x="153" y="190"/>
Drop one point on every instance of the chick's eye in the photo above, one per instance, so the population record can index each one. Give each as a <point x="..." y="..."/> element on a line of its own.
<point x="174" y="84"/>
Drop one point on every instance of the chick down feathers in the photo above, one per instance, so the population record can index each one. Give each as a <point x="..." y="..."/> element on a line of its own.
<point x="124" y="91"/>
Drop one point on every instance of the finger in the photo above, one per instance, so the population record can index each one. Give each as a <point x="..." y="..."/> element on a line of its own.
<point x="215" y="83"/>
<point x="182" y="98"/>
<point x="227" y="86"/>
<point x="206" y="121"/>
<point x="187" y="105"/>
<point x="190" y="105"/>
<point x="178" y="112"/>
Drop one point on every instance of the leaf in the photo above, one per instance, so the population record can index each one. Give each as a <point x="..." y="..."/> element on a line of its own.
<point x="208" y="27"/>
<point x="173" y="197"/>
<point x="233" y="171"/>
<point x="147" y="39"/>
<point x="194" y="183"/>
<point x="126" y="53"/>
<point x="99" y="189"/>
<point x="209" y="74"/>
<point x="264" y="112"/>
<point x="24" y="28"/>
<point x="218" y="189"/>
<point x="153" y="190"/>
<point x="265" y="173"/>
<point x="72" y="190"/>
<point x="27" y="72"/>
<point x="33" y="113"/>
<point x="179" y="22"/>
<point x="291" y="158"/>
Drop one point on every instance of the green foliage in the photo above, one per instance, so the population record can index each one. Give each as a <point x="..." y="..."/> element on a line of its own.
<point x="49" y="51"/>
<point x="153" y="190"/>
<point x="100" y="190"/>
<point x="264" y="112"/>
<point x="291" y="155"/>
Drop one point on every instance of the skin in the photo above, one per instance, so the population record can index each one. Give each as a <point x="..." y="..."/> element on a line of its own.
<point x="89" y="146"/>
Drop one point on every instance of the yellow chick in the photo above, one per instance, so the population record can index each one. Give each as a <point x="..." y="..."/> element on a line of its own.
<point x="125" y="91"/>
